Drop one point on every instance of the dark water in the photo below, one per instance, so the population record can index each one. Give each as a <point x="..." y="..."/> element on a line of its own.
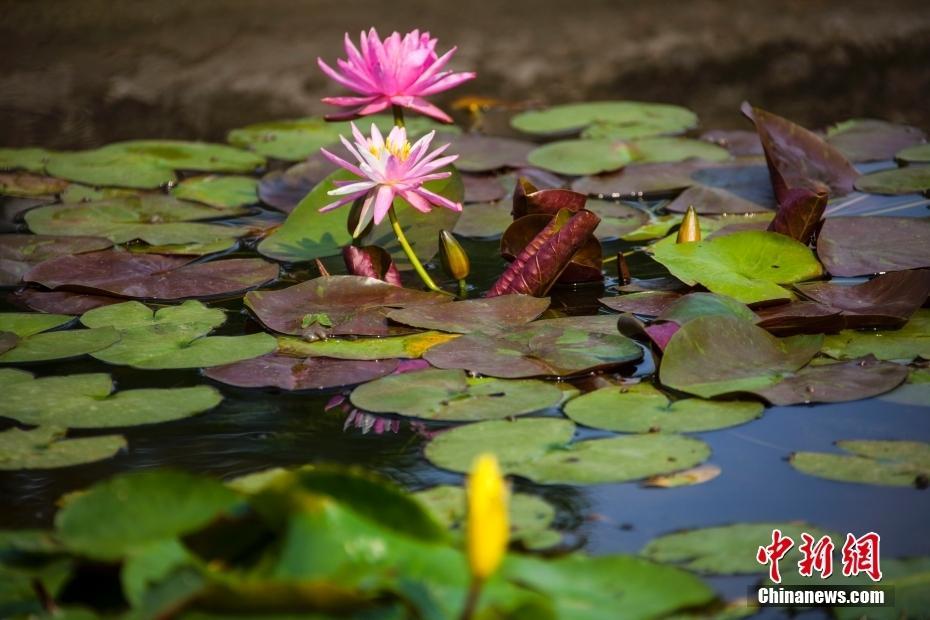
<point x="253" y="430"/>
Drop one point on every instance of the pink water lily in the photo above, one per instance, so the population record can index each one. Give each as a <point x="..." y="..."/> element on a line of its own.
<point x="397" y="71"/>
<point x="387" y="169"/>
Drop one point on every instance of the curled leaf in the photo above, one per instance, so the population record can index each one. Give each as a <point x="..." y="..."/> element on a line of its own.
<point x="371" y="261"/>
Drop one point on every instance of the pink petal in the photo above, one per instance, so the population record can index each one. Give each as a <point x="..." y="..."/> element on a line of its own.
<point x="383" y="202"/>
<point x="341" y="201"/>
<point x="436" y="199"/>
<point x="445" y="83"/>
<point x="333" y="74"/>
<point x="348" y="101"/>
<point x="423" y="107"/>
<point x="416" y="201"/>
<point x="341" y="162"/>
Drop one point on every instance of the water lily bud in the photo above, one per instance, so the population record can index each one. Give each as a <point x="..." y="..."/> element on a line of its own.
<point x="690" y="227"/>
<point x="488" y="528"/>
<point x="454" y="259"/>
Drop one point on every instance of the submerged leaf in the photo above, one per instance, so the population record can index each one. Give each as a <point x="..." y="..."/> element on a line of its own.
<point x="891" y="463"/>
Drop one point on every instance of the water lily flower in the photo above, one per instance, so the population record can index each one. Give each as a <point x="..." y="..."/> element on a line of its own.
<point x="487" y="525"/>
<point x="388" y="168"/>
<point x="399" y="71"/>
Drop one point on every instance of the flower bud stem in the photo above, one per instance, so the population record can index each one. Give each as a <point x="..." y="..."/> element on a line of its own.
<point x="417" y="265"/>
<point x="398" y="115"/>
<point x="471" y="602"/>
<point x="463" y="289"/>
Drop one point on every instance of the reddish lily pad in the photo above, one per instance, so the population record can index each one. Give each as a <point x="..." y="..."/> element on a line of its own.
<point x="350" y="304"/>
<point x="553" y="347"/>
<point x="528" y="199"/>
<point x="545" y="256"/>
<point x="738" y="142"/>
<point x="284" y="189"/>
<point x="25" y="185"/>
<point x="151" y="276"/>
<point x="887" y="300"/>
<point x="645" y="303"/>
<point x="18" y="253"/>
<point x="641" y="180"/>
<point x="866" y="139"/>
<point x="493" y="314"/>
<point x="690" y="307"/>
<point x="483" y="188"/>
<point x="292" y="373"/>
<point x="60" y="302"/>
<point x="584" y="265"/>
<point x="717" y="354"/>
<point x="713" y="200"/>
<point x="798" y="317"/>
<point x="836" y="383"/>
<point x="370" y="261"/>
<point x="857" y="246"/>
<point x="480" y="153"/>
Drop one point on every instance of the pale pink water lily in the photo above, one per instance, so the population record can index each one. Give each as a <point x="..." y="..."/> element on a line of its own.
<point x="388" y="168"/>
<point x="398" y="71"/>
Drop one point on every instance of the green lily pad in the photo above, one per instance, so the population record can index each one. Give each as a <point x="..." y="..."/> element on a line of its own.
<point x="907" y="180"/>
<point x="554" y="347"/>
<point x="18" y="253"/>
<point x="727" y="549"/>
<point x="186" y="249"/>
<point x="45" y="448"/>
<point x="34" y="346"/>
<point x="218" y="191"/>
<point x="540" y="449"/>
<point x="451" y="395"/>
<point x="642" y="408"/>
<point x="624" y="119"/>
<point x="492" y="314"/>
<point x="890" y="463"/>
<point x="85" y="401"/>
<point x="656" y="228"/>
<point x="128" y="512"/>
<point x="917" y="154"/>
<point x="31" y="159"/>
<point x="718" y="354"/>
<point x="155" y="219"/>
<point x="25" y="185"/>
<point x="410" y="346"/>
<point x="75" y="193"/>
<point x="618" y="586"/>
<point x="577" y="157"/>
<point x="662" y="150"/>
<point x="530" y="516"/>
<point x="912" y="340"/>
<point x="110" y="168"/>
<point x="185" y="155"/>
<point x="748" y="266"/>
<point x="173" y="337"/>
<point x="484" y="220"/>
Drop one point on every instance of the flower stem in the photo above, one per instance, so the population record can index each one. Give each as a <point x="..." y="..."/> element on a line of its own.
<point x="471" y="603"/>
<point x="463" y="289"/>
<point x="398" y="115"/>
<point x="611" y="259"/>
<point x="417" y="265"/>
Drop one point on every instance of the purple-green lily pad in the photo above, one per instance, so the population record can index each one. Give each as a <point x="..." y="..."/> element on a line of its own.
<point x="483" y="188"/>
<point x="151" y="276"/>
<point x="451" y="395"/>
<point x="489" y="315"/>
<point x="835" y="383"/>
<point x="917" y="154"/>
<point x="481" y="153"/>
<point x="25" y="185"/>
<point x="866" y="139"/>
<point x="909" y="342"/>
<point x="60" y="302"/>
<point x="857" y="246"/>
<point x="294" y="373"/>
<point x="645" y="303"/>
<point x="553" y="347"/>
<point x="18" y="253"/>
<point x="617" y="219"/>
<point x="352" y="305"/>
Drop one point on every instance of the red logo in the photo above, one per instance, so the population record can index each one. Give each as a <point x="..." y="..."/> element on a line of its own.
<point x="859" y="555"/>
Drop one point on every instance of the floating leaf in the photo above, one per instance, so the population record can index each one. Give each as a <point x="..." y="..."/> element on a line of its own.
<point x="617" y="219"/>
<point x="907" y="180"/>
<point x="20" y="252"/>
<point x="689" y="477"/>
<point x="835" y="383"/>
<point x="172" y="337"/>
<point x="186" y="155"/>
<point x="727" y="549"/>
<point x="917" y="154"/>
<point x="26" y="185"/>
<point x="641" y="408"/>
<point x="712" y="200"/>
<point x="25" y="324"/>
<point x="640" y="179"/>
<point x="887" y="300"/>
<point x="890" y="463"/>
<point x="291" y="373"/>
<point x="85" y="401"/>
<point x="577" y="157"/>
<point x="530" y="516"/>
<point x="110" y="168"/>
<point x="634" y="119"/>
<point x="856" y="246"/>
<point x="34" y="346"/>
<point x="45" y="448"/>
<point x="31" y="159"/>
<point x="554" y="347"/>
<point x="912" y="340"/>
<point x="481" y="153"/>
<point x="154" y="219"/>
<point x="866" y="139"/>
<point x="646" y="303"/>
<point x="60" y="302"/>
<point x="218" y="191"/>
<point x="484" y="220"/>
<point x="493" y="314"/>
<point x="353" y="304"/>
<point x="186" y="249"/>
<point x="284" y="189"/>
<point x="798" y="317"/>
<point x="370" y="261"/>
<point x="739" y="142"/>
<point x="483" y="188"/>
<point x="747" y="266"/>
<point x="411" y="346"/>
<point x="714" y="355"/>
<point x="539" y="449"/>
<point x="549" y="253"/>
<point x="451" y="395"/>
<point x="151" y="276"/>
<point x="662" y="150"/>
<point x="690" y="307"/>
<point x="75" y="192"/>
<point x="126" y="513"/>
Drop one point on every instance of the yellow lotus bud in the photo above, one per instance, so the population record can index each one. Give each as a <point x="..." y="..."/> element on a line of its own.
<point x="454" y="259"/>
<point x="488" y="528"/>
<point x="690" y="227"/>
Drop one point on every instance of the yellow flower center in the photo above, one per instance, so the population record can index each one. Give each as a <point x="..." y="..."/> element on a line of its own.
<point x="400" y="151"/>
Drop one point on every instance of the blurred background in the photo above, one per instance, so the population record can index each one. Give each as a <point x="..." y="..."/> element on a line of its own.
<point x="78" y="73"/>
